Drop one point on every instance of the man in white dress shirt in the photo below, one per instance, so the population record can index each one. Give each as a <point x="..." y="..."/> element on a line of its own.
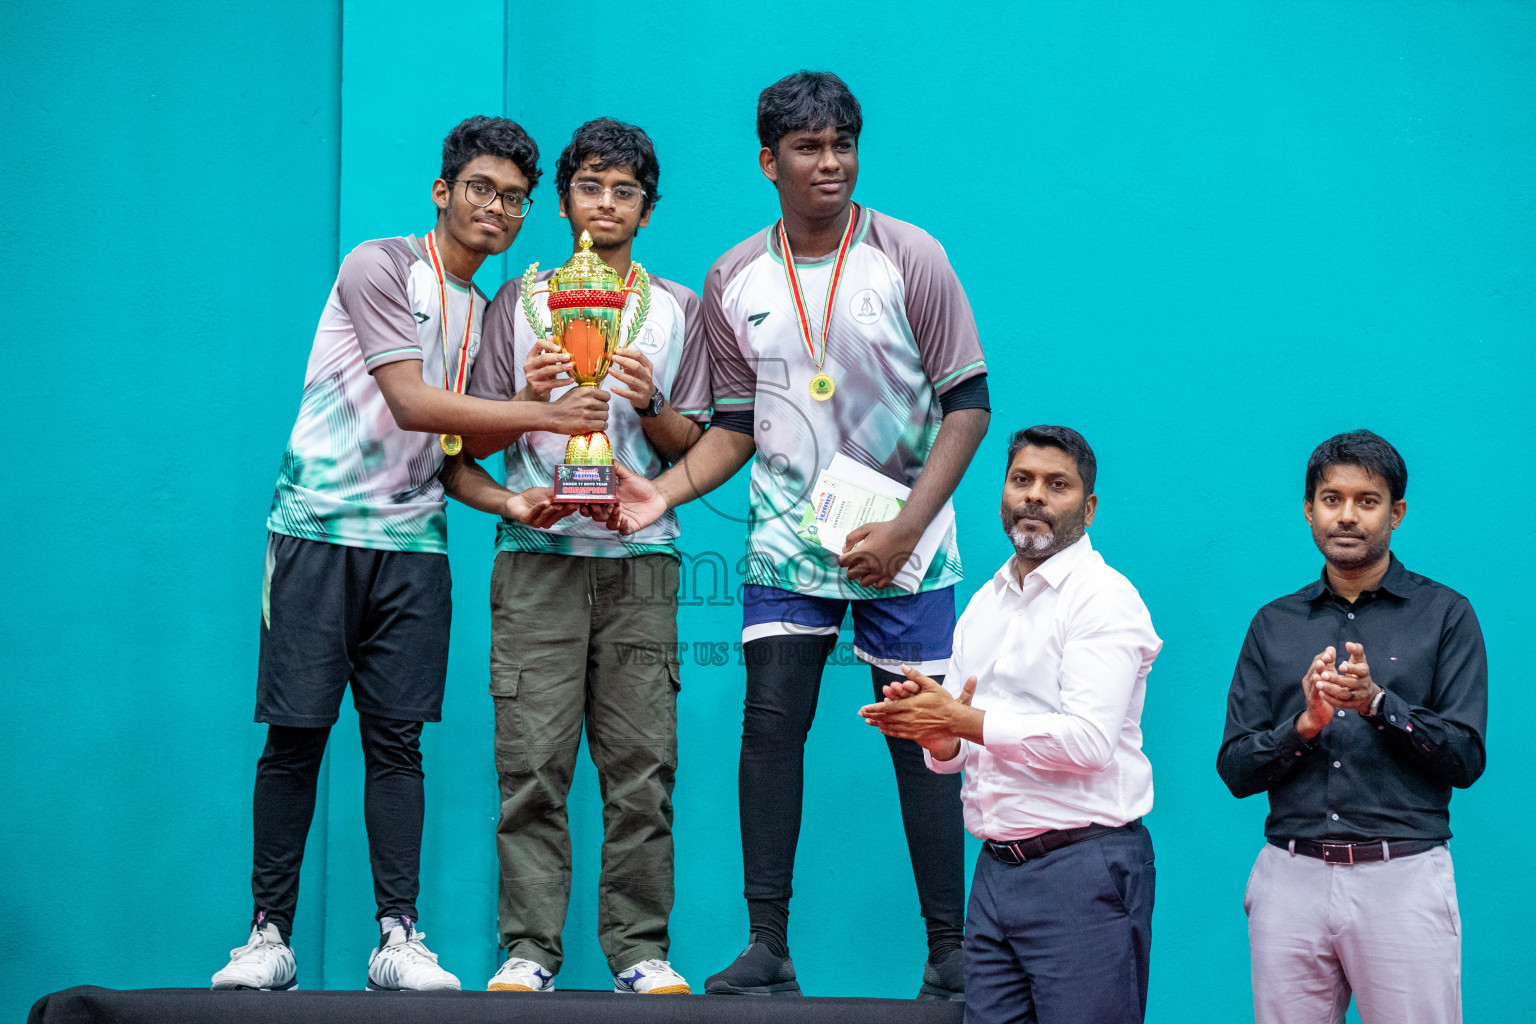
<point x="1042" y="711"/>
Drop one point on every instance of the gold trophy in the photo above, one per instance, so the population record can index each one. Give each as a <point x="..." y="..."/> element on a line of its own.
<point x="586" y="307"/>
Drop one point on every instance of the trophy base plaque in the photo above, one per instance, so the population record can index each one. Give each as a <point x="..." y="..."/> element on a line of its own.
<point x="582" y="484"/>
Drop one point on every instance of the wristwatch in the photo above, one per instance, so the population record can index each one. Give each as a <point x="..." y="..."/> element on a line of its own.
<point x="654" y="407"/>
<point x="1381" y="695"/>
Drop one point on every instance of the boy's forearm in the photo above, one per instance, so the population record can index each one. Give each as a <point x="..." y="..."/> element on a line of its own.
<point x="671" y="433"/>
<point x="467" y="482"/>
<point x="959" y="436"/>
<point x="708" y="464"/>
<point x="417" y="405"/>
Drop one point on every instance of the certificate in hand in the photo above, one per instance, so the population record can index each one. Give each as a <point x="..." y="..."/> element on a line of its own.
<point x="848" y="495"/>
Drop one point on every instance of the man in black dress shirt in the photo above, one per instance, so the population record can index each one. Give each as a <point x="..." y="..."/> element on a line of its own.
<point x="1358" y="703"/>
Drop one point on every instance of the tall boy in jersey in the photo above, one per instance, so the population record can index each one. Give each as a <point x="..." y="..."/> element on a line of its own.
<point x="836" y="330"/>
<point x="584" y="623"/>
<point x="357" y="585"/>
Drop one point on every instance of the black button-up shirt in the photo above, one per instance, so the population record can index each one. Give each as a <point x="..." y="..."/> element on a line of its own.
<point x="1387" y="776"/>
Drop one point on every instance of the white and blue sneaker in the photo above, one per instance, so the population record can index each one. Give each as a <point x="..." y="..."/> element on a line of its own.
<point x="402" y="962"/>
<point x="519" y="975"/>
<point x="265" y="963"/>
<point x="651" y="978"/>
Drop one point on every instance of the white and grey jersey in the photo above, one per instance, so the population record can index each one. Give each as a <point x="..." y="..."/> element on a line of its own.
<point x="671" y="338"/>
<point x="350" y="475"/>
<point x="901" y="334"/>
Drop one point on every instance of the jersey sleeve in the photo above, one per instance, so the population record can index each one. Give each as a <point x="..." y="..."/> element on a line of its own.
<point x="691" y="390"/>
<point x="497" y="369"/>
<point x="373" y="291"/>
<point x="733" y="377"/>
<point x="937" y="307"/>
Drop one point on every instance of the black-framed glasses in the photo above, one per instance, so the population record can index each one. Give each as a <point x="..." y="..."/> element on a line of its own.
<point x="590" y="193"/>
<point x="513" y="204"/>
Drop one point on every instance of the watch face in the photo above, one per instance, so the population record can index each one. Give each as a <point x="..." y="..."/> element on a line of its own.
<point x="656" y="403"/>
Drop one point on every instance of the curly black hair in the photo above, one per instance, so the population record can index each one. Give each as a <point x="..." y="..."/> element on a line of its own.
<point x="490" y="136"/>
<point x="609" y="142"/>
<point x="806" y="101"/>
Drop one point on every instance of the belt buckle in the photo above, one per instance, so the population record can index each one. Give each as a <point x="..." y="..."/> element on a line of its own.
<point x="1009" y="853"/>
<point x="1338" y="853"/>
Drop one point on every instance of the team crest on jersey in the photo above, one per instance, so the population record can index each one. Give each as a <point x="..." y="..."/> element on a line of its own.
<point x="650" y="339"/>
<point x="865" y="306"/>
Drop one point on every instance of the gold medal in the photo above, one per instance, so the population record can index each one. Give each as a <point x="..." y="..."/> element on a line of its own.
<point x="451" y="444"/>
<point x="821" y="385"/>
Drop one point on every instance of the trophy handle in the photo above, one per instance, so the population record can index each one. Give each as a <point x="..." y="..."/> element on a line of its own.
<point x="643" y="309"/>
<point x="530" y="313"/>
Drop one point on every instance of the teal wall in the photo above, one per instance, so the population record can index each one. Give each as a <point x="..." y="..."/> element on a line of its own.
<point x="1206" y="234"/>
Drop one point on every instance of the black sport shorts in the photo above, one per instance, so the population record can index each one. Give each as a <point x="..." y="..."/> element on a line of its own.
<point x="331" y="614"/>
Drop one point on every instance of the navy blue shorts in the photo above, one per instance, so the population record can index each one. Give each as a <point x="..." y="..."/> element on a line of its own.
<point x="333" y="615"/>
<point x="889" y="632"/>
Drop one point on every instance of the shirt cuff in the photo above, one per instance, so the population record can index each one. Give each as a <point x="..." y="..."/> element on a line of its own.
<point x="1003" y="735"/>
<point x="1289" y="743"/>
<point x="949" y="767"/>
<point x="1394" y="712"/>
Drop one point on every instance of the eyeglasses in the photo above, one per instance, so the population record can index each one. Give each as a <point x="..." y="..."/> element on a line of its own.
<point x="513" y="204"/>
<point x="590" y="193"/>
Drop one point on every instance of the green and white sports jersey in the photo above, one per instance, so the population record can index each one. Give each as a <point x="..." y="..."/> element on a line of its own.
<point x="671" y="338"/>
<point x="901" y="333"/>
<point x="350" y="475"/>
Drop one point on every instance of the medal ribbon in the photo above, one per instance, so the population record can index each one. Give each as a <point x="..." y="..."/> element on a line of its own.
<point x="801" y="315"/>
<point x="458" y="381"/>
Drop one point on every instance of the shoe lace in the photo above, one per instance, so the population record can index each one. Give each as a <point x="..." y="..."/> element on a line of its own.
<point x="259" y="950"/>
<point x="655" y="966"/>
<point x="414" y="951"/>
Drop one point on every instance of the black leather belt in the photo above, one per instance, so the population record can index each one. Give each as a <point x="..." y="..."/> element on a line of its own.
<point x="1356" y="853"/>
<point x="1017" y="851"/>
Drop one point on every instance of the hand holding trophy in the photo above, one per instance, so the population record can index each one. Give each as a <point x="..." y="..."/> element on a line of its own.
<point x="586" y="309"/>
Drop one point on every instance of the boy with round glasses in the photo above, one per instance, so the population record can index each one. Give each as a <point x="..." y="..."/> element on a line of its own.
<point x="838" y="330"/>
<point x="583" y="623"/>
<point x="357" y="587"/>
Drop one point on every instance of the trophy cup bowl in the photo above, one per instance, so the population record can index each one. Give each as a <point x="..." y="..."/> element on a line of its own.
<point x="586" y="309"/>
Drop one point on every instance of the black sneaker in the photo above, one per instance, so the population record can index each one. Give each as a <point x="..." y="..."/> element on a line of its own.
<point x="755" y="972"/>
<point x="944" y="979"/>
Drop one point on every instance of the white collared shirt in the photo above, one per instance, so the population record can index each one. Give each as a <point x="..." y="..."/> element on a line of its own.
<point x="1061" y="665"/>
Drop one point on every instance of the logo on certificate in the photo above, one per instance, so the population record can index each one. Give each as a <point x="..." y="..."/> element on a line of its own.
<point x="865" y="306"/>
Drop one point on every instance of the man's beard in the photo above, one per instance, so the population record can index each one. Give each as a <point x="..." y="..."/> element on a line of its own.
<point x="1065" y="530"/>
<point x="1373" y="551"/>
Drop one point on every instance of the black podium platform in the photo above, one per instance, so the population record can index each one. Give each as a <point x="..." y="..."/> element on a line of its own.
<point x="90" y="1005"/>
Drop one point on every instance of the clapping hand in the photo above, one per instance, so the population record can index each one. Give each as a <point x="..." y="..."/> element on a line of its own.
<point x="1350" y="687"/>
<point x="919" y="709"/>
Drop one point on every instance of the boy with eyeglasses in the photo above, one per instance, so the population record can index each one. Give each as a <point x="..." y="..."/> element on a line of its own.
<point x="357" y="586"/>
<point x="836" y="330"/>
<point x="583" y="623"/>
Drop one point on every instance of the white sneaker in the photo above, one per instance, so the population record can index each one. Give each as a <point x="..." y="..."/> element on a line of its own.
<point x="651" y="978"/>
<point x="404" y="962"/>
<point x="519" y="975"/>
<point x="264" y="963"/>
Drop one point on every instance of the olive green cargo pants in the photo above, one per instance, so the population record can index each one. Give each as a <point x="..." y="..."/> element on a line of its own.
<point x="576" y="640"/>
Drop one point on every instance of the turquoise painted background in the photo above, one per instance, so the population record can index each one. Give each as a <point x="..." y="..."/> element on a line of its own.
<point x="1207" y="234"/>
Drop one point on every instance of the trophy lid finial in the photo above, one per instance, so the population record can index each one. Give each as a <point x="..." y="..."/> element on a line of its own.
<point x="586" y="269"/>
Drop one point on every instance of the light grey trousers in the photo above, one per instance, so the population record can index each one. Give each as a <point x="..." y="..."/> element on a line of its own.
<point x="1388" y="933"/>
